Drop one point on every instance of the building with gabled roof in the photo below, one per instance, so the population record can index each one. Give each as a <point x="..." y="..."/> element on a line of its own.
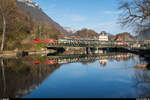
<point x="103" y="36"/>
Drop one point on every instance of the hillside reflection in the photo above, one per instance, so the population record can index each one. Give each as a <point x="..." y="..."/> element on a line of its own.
<point x="20" y="76"/>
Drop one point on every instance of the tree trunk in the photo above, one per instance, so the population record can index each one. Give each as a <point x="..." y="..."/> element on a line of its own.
<point x="3" y="34"/>
<point x="3" y="76"/>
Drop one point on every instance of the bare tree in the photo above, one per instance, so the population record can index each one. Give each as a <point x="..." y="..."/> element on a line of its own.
<point x="6" y="9"/>
<point x="135" y="14"/>
<point x="142" y="83"/>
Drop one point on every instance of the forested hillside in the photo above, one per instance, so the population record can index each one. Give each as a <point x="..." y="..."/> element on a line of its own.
<point x="21" y="28"/>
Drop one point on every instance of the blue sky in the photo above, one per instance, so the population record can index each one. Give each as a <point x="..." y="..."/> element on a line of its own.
<point x="98" y="15"/>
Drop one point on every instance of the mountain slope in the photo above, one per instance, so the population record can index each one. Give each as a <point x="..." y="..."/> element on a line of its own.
<point x="86" y="33"/>
<point x="126" y="36"/>
<point x="36" y="12"/>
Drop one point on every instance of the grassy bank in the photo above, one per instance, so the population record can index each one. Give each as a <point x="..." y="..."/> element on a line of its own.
<point x="24" y="52"/>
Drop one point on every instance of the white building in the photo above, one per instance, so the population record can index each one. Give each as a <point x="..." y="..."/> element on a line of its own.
<point x="103" y="36"/>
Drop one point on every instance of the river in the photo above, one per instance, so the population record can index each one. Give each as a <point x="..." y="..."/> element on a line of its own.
<point x="109" y="75"/>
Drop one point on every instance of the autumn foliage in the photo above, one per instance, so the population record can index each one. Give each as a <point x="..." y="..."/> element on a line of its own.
<point x="22" y="29"/>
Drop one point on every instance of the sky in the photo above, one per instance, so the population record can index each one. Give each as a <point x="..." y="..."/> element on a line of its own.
<point x="98" y="15"/>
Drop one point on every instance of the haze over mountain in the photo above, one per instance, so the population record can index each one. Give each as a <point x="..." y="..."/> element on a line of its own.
<point x="37" y="13"/>
<point x="70" y="30"/>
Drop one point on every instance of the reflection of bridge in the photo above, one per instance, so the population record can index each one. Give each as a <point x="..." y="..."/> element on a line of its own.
<point x="64" y="59"/>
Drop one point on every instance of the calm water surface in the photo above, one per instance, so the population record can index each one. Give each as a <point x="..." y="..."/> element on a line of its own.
<point x="107" y="76"/>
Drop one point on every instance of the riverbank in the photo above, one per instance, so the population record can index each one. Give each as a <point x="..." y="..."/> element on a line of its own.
<point x="24" y="52"/>
<point x="14" y="53"/>
<point x="144" y="53"/>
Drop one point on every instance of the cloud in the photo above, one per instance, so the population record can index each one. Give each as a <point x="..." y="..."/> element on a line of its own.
<point x="72" y="19"/>
<point x="76" y="21"/>
<point x="111" y="27"/>
<point x="112" y="12"/>
<point x="77" y="18"/>
<point x="51" y="6"/>
<point x="50" y="9"/>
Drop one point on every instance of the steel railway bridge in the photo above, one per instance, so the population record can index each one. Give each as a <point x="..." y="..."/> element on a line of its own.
<point x="95" y="44"/>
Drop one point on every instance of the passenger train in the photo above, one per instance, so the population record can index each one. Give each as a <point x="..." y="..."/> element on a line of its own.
<point x="84" y="41"/>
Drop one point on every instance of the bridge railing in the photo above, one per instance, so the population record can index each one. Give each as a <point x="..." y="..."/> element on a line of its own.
<point x="99" y="44"/>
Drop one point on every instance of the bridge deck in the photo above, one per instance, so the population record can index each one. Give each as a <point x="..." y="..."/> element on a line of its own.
<point x="98" y="44"/>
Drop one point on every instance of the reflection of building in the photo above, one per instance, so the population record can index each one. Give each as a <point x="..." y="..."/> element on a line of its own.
<point x="103" y="36"/>
<point x="100" y="51"/>
<point x="118" y="59"/>
<point x="123" y="56"/>
<point x="103" y="61"/>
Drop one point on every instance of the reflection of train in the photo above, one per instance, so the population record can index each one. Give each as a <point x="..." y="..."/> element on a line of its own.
<point x="64" y="59"/>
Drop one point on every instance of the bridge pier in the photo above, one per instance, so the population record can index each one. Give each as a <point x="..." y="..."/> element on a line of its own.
<point x="97" y="50"/>
<point x="57" y="49"/>
<point x="92" y="50"/>
<point x="88" y="50"/>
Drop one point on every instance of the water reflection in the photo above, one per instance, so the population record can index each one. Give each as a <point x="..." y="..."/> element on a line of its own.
<point x="142" y="83"/>
<point x="84" y="59"/>
<point x="20" y="76"/>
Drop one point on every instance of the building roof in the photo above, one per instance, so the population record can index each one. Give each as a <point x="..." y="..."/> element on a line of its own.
<point x="103" y="33"/>
<point x="118" y="38"/>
